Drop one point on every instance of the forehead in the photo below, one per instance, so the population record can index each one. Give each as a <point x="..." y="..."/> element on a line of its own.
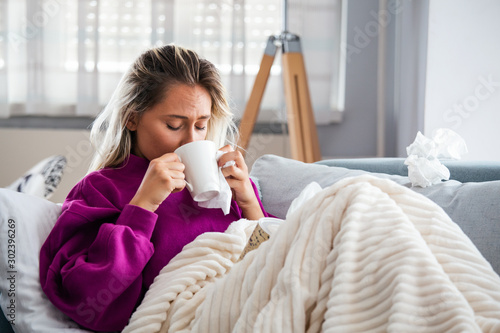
<point x="186" y="100"/>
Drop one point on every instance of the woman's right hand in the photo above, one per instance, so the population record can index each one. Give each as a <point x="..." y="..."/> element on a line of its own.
<point x="165" y="175"/>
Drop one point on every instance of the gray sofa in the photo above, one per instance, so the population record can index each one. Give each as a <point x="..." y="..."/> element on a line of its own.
<point x="471" y="198"/>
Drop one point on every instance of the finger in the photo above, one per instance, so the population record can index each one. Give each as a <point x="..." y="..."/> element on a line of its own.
<point x="165" y="160"/>
<point x="231" y="156"/>
<point x="178" y="185"/>
<point x="175" y="166"/>
<point x="176" y="174"/>
<point x="227" y="148"/>
<point x="165" y="169"/>
<point x="169" y="157"/>
<point x="233" y="172"/>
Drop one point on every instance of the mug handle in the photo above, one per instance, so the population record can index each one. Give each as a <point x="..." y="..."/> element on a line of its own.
<point x="189" y="186"/>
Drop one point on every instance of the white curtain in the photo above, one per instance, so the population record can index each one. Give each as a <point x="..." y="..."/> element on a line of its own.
<point x="65" y="57"/>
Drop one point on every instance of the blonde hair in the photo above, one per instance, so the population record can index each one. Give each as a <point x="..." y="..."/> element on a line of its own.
<point x="144" y="85"/>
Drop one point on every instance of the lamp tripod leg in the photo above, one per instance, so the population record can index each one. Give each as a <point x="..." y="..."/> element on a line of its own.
<point x="249" y="117"/>
<point x="300" y="117"/>
<point x="302" y="127"/>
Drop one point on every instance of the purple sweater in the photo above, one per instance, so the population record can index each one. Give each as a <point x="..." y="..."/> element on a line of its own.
<point x="103" y="253"/>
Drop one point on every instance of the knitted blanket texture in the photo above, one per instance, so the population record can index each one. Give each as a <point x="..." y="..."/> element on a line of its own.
<point x="363" y="255"/>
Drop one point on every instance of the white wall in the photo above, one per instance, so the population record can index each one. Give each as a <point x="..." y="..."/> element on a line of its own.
<point x="21" y="149"/>
<point x="463" y="73"/>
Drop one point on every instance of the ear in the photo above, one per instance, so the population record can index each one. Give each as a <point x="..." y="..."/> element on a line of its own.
<point x="132" y="122"/>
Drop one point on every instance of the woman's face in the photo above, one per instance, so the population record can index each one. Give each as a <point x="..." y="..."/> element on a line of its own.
<point x="181" y="117"/>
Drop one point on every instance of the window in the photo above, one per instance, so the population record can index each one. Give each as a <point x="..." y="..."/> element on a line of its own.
<point x="65" y="57"/>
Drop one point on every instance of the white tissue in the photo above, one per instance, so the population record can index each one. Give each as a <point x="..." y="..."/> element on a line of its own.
<point x="425" y="172"/>
<point x="223" y="199"/>
<point x="449" y="144"/>
<point x="422" y="147"/>
<point x="424" y="167"/>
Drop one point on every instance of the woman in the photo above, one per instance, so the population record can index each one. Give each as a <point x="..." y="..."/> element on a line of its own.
<point x="123" y="222"/>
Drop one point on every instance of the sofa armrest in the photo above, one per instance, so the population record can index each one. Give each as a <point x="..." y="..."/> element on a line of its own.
<point x="462" y="171"/>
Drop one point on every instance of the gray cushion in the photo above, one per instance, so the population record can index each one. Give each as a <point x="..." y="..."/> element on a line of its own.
<point x="475" y="207"/>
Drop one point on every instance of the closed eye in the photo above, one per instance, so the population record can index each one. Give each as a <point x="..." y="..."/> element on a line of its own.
<point x="173" y="128"/>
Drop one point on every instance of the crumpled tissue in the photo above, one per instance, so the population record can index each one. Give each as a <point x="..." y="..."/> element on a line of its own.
<point x="449" y="144"/>
<point x="425" y="172"/>
<point x="424" y="167"/>
<point x="223" y="199"/>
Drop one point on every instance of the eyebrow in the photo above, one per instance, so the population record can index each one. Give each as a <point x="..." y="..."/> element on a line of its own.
<point x="184" y="117"/>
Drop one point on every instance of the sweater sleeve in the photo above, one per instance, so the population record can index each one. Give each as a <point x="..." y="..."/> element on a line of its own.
<point x="92" y="261"/>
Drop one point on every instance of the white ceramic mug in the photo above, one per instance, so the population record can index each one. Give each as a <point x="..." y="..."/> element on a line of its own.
<point x="201" y="169"/>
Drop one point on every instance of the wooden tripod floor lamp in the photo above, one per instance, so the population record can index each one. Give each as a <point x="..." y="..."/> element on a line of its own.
<point x="304" y="143"/>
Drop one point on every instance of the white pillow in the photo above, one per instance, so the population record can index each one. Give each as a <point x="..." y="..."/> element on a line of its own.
<point x="25" y="222"/>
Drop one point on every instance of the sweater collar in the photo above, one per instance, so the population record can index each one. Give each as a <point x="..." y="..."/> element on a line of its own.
<point x="134" y="162"/>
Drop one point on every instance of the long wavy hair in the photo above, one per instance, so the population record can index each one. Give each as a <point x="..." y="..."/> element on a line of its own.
<point x="144" y="85"/>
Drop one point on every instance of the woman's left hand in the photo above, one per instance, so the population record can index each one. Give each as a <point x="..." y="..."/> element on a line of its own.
<point x="239" y="181"/>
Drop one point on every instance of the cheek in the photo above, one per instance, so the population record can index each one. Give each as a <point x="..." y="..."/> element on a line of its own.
<point x="159" y="141"/>
<point x="168" y="142"/>
<point x="202" y="135"/>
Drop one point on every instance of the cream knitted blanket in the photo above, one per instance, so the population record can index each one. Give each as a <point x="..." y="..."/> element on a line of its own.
<point x="364" y="254"/>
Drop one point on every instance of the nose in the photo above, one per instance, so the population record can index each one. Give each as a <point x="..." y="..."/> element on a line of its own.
<point x="189" y="136"/>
